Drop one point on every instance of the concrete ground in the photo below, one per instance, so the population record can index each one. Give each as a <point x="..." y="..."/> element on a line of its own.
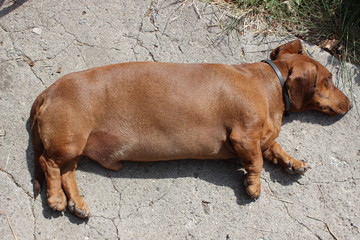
<point x="41" y="41"/>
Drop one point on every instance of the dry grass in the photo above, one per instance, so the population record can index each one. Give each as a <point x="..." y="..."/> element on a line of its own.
<point x="333" y="25"/>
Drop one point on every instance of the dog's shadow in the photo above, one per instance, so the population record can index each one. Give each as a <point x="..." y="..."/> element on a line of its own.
<point x="218" y="172"/>
<point x="313" y="117"/>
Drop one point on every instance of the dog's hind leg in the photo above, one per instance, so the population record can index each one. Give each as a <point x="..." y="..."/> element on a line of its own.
<point x="55" y="193"/>
<point x="58" y="161"/>
<point x="76" y="203"/>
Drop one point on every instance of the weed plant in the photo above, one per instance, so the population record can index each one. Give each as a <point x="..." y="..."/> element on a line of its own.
<point x="331" y="24"/>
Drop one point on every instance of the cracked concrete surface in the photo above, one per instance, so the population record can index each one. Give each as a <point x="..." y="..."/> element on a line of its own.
<point x="41" y="41"/>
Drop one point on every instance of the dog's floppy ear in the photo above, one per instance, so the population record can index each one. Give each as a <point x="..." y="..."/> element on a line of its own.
<point x="301" y="86"/>
<point x="293" y="47"/>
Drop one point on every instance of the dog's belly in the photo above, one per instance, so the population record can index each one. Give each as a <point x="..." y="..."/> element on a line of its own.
<point x="155" y="145"/>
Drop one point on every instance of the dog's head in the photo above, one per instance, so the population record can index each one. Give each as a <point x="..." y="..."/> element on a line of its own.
<point x="309" y="83"/>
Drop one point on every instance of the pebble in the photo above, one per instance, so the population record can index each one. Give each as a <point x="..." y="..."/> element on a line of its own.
<point x="82" y="21"/>
<point x="338" y="163"/>
<point x="12" y="53"/>
<point x="2" y="132"/>
<point x="37" y="30"/>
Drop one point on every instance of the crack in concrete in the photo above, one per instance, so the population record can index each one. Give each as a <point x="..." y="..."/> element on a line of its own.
<point x="99" y="18"/>
<point x="139" y="44"/>
<point x="23" y="56"/>
<point x="3" y="28"/>
<point x="35" y="219"/>
<point x="29" y="62"/>
<point x="39" y="78"/>
<point x="16" y="183"/>
<point x="91" y="227"/>
<point x="152" y="56"/>
<point x="300" y="223"/>
<point x="288" y="211"/>
<point x="11" y="177"/>
<point x="338" y="181"/>
<point x="81" y="43"/>
<point x="107" y="218"/>
<point x="119" y="204"/>
<point x="8" y="60"/>
<point x="81" y="55"/>
<point x="274" y="195"/>
<point x="151" y="202"/>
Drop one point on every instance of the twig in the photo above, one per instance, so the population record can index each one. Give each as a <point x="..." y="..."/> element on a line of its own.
<point x="7" y="159"/>
<point x="263" y="230"/>
<point x="196" y="10"/>
<point x="331" y="233"/>
<point x="323" y="196"/>
<point x="174" y="12"/>
<point x="12" y="230"/>
<point x="326" y="225"/>
<point x="282" y="200"/>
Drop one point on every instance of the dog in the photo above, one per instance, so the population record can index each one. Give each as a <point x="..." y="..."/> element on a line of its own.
<point x="149" y="111"/>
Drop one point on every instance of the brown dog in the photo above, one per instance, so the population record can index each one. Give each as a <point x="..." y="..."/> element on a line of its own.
<point x="161" y="111"/>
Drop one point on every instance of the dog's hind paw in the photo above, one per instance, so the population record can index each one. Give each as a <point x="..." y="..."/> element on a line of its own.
<point x="57" y="201"/>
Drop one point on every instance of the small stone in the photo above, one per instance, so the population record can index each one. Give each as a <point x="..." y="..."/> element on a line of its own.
<point x="82" y="21"/>
<point x="59" y="70"/>
<point x="37" y="31"/>
<point x="13" y="53"/>
<point x="153" y="17"/>
<point x="2" y="132"/>
<point x="206" y="206"/>
<point x="338" y="163"/>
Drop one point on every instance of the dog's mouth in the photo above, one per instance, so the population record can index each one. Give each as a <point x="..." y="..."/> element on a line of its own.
<point x="340" y="110"/>
<point x="333" y="108"/>
<point x="329" y="111"/>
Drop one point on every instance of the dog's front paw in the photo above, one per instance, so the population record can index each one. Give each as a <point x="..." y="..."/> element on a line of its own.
<point x="80" y="208"/>
<point x="297" y="167"/>
<point x="57" y="201"/>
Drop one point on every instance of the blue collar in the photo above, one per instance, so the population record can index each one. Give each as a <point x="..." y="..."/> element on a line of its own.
<point x="282" y="81"/>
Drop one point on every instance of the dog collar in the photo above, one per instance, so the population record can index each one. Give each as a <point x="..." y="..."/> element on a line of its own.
<point x="282" y="81"/>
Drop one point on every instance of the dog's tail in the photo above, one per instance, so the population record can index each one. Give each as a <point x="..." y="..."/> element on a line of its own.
<point x="38" y="146"/>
